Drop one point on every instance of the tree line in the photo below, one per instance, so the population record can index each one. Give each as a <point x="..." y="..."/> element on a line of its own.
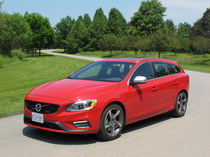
<point x="146" y="31"/>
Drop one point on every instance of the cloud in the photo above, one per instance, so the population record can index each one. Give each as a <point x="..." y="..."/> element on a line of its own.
<point x="185" y="10"/>
<point x="188" y="4"/>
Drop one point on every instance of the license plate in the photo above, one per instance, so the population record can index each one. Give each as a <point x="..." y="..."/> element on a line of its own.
<point x="37" y="117"/>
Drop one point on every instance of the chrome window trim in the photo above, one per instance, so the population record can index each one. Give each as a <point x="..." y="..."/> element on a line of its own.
<point x="153" y="71"/>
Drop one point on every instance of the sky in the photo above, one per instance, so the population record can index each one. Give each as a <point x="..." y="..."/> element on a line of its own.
<point x="177" y="10"/>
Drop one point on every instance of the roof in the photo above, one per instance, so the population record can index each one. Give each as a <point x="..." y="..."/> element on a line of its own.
<point x="135" y="60"/>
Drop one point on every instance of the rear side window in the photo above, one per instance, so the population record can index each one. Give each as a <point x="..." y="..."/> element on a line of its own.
<point x="160" y="69"/>
<point x="173" y="69"/>
<point x="144" y="69"/>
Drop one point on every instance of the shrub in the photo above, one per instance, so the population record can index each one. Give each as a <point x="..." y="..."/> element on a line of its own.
<point x="20" y="55"/>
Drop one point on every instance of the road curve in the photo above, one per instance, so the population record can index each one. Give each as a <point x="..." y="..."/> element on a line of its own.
<point x="161" y="136"/>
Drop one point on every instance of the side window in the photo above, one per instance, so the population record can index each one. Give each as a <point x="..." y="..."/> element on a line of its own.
<point x="173" y="69"/>
<point x="144" y="70"/>
<point x="160" y="69"/>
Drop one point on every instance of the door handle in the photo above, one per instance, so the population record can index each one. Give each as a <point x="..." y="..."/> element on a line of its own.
<point x="154" y="89"/>
<point x="175" y="83"/>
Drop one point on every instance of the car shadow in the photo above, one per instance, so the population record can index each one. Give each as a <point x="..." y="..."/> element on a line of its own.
<point x="69" y="139"/>
<point x="146" y="123"/>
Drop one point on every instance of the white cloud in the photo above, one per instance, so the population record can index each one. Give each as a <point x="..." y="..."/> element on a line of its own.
<point x="188" y="4"/>
<point x="185" y="10"/>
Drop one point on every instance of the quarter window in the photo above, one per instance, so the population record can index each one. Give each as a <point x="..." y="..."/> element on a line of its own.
<point x="173" y="69"/>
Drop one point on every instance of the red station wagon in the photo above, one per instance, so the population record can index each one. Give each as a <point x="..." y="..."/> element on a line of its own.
<point x="106" y="95"/>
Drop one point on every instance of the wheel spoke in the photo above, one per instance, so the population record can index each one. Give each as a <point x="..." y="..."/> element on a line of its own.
<point x="116" y="114"/>
<point x="118" y="124"/>
<point x="110" y="114"/>
<point x="107" y="125"/>
<point x="113" y="130"/>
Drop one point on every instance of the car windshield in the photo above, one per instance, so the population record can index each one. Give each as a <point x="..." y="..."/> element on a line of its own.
<point x="104" y="71"/>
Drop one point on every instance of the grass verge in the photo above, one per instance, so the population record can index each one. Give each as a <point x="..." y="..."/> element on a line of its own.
<point x="18" y="77"/>
<point x="188" y="61"/>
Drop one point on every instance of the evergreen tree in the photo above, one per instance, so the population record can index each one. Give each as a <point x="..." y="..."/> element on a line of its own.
<point x="76" y="38"/>
<point x="98" y="28"/>
<point x="148" y="19"/>
<point x="87" y="20"/>
<point x="116" y="23"/>
<point x="202" y="26"/>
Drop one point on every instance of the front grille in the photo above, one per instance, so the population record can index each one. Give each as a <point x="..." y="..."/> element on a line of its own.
<point x="44" y="109"/>
<point x="45" y="124"/>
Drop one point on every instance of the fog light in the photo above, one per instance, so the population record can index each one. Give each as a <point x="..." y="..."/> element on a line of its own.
<point x="81" y="124"/>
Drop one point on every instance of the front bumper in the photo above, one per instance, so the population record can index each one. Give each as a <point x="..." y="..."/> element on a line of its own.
<point x="56" y="126"/>
<point x="78" y="122"/>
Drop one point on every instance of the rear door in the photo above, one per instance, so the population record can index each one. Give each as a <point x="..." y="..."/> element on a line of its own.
<point x="165" y="83"/>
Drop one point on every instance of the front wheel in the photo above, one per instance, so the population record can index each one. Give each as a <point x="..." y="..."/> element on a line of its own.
<point x="181" y="105"/>
<point x="111" y="123"/>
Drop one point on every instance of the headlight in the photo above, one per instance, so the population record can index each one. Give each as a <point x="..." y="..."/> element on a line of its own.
<point x="82" y="105"/>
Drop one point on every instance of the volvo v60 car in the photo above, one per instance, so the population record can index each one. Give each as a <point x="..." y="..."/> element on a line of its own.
<point x="104" y="96"/>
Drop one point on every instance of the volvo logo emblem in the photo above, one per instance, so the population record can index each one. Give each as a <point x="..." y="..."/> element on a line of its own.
<point x="38" y="107"/>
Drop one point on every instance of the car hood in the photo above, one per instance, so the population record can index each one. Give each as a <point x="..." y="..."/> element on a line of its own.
<point x="75" y="89"/>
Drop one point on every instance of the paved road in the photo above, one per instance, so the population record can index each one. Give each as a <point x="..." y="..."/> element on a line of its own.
<point x="161" y="136"/>
<point x="72" y="56"/>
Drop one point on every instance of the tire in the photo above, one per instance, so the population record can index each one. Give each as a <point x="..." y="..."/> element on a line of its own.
<point x="111" y="123"/>
<point x="180" y="105"/>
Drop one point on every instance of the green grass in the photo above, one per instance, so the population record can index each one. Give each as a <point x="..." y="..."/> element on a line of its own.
<point x="188" y="61"/>
<point x="18" y="77"/>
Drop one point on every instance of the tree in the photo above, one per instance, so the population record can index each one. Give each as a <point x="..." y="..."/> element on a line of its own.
<point x="185" y="44"/>
<point x="108" y="42"/>
<point x="145" y="44"/>
<point x="133" y="43"/>
<point x="98" y="28"/>
<point x="87" y="20"/>
<point x="184" y="30"/>
<point x="202" y="26"/>
<point x="116" y="23"/>
<point x="170" y="26"/>
<point x="62" y="29"/>
<point x="200" y="45"/>
<point x="76" y="38"/>
<point x="148" y="19"/>
<point x="43" y="34"/>
<point x="123" y="43"/>
<point x="160" y="42"/>
<point x="14" y="33"/>
<point x="175" y="44"/>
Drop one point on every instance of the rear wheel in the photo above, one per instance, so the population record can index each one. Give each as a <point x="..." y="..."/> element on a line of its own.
<point x="111" y="123"/>
<point x="181" y="105"/>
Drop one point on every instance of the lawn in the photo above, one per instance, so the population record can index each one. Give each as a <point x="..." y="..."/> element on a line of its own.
<point x="18" y="77"/>
<point x="188" y="61"/>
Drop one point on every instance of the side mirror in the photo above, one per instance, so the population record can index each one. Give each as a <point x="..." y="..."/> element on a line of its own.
<point x="139" y="80"/>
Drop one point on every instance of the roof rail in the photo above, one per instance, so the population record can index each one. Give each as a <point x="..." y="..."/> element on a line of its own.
<point x="141" y="59"/>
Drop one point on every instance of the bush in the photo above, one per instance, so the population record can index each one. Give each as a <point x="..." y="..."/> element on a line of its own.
<point x="1" y="61"/>
<point x="20" y="55"/>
